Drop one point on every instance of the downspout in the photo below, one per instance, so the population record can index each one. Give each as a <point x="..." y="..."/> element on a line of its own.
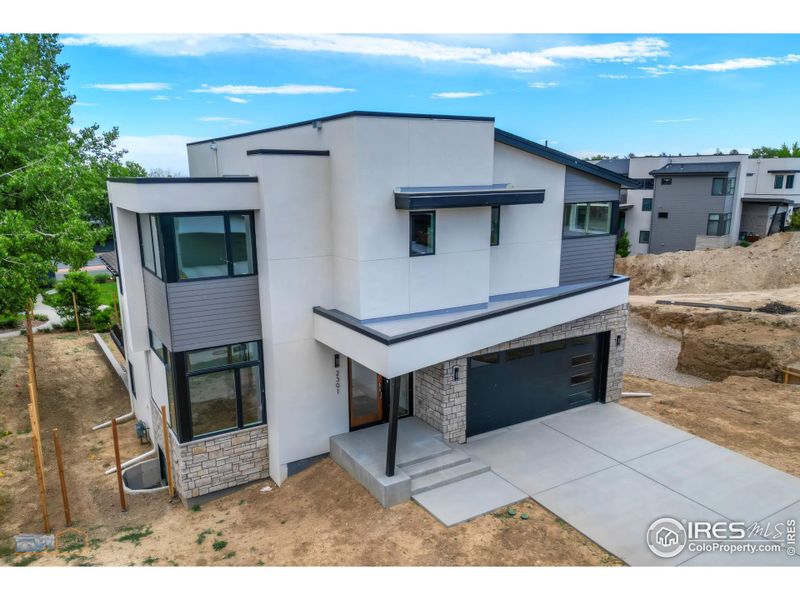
<point x="133" y="461"/>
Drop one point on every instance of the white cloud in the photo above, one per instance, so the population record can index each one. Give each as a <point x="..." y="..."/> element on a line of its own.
<point x="456" y="95"/>
<point x="160" y="98"/>
<point x="732" y="64"/>
<point x="638" y="49"/>
<point x="288" y="89"/>
<point x="611" y="76"/>
<point x="229" y="120"/>
<point x="129" y="87"/>
<point x="687" y="120"/>
<point x="542" y="85"/>
<point x="236" y="100"/>
<point x="84" y="104"/>
<point x="157" y="151"/>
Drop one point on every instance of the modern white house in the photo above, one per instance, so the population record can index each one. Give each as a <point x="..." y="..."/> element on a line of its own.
<point x="697" y="202"/>
<point x="321" y="278"/>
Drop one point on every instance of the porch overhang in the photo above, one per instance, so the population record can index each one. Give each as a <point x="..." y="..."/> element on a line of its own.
<point x="464" y="196"/>
<point x="399" y="345"/>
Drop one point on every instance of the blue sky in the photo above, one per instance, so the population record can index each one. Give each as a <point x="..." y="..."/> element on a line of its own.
<point x="586" y="94"/>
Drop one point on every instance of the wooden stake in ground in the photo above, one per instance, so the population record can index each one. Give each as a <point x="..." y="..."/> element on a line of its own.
<point x="75" y="308"/>
<point x="116" y="312"/>
<point x="39" y="464"/>
<point x="62" y="479"/>
<point x="119" y="466"/>
<point x="29" y="334"/>
<point x="33" y="409"/>
<point x="167" y="456"/>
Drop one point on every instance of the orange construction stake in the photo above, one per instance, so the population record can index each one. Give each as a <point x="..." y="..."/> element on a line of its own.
<point x="62" y="479"/>
<point x="119" y="466"/>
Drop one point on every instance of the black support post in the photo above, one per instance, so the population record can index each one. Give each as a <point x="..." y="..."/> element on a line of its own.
<point x="394" y="415"/>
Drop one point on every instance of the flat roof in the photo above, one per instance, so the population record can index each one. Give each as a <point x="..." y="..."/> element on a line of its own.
<point x="148" y="180"/>
<point x="696" y="168"/>
<point x="458" y="196"/>
<point x="346" y="115"/>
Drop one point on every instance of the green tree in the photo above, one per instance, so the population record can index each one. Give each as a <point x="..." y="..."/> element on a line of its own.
<point x="782" y="151"/>
<point x="794" y="220"/>
<point x="623" y="245"/>
<point x="87" y="296"/>
<point x="53" y="200"/>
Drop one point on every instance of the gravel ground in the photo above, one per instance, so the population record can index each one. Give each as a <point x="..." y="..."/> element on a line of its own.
<point x="654" y="356"/>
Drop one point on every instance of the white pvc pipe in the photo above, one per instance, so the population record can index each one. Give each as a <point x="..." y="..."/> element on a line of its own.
<point x="133" y="461"/>
<point x="122" y="419"/>
<point x="636" y="394"/>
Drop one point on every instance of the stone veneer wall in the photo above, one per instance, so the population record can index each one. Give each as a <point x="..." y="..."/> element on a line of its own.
<point x="212" y="464"/>
<point x="441" y="401"/>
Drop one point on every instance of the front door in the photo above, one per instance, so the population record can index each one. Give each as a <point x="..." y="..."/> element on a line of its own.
<point x="368" y="395"/>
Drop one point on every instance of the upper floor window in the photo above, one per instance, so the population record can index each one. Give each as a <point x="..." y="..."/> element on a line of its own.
<point x="789" y="182"/>
<point x="778" y="182"/>
<point x="587" y="218"/>
<point x="780" y="179"/>
<point x="158" y="347"/>
<point x="647" y="204"/>
<point x="197" y="246"/>
<point x="423" y="233"/>
<point x="494" y="238"/>
<point x="666" y="181"/>
<point x="718" y="186"/>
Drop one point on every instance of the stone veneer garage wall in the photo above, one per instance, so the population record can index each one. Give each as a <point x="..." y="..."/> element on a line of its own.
<point x="441" y="401"/>
<point x="212" y="464"/>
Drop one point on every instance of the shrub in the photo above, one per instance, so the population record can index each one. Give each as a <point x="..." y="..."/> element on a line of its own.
<point x="623" y="245"/>
<point x="10" y="321"/>
<point x="87" y="296"/>
<point x="794" y="220"/>
<point x="103" y="319"/>
<point x="102" y="277"/>
<point x="744" y="243"/>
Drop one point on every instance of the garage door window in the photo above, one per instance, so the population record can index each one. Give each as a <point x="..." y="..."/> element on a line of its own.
<point x="553" y="346"/>
<point x="516" y="353"/>
<point x="580" y="378"/>
<point x="583" y="359"/>
<point x="486" y="359"/>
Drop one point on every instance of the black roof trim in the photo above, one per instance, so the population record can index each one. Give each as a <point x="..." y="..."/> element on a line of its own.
<point x="515" y="141"/>
<point x="785" y="171"/>
<point x="109" y="259"/>
<point x="346" y="320"/>
<point x="463" y="199"/>
<point x="696" y="168"/>
<point x="145" y="180"/>
<point x="344" y="115"/>
<point x="277" y="151"/>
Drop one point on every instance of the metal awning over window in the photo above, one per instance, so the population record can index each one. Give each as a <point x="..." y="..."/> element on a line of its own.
<point x="413" y="198"/>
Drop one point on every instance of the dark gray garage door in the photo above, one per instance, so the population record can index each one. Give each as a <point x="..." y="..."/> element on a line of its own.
<point x="508" y="387"/>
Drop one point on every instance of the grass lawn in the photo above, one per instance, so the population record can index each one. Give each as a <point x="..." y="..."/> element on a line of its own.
<point x="108" y="293"/>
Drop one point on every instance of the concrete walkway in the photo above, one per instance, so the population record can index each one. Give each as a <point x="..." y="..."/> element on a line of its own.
<point x="611" y="472"/>
<point x="40" y="308"/>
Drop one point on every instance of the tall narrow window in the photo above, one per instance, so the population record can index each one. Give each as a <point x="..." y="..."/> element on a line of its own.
<point x="156" y="250"/>
<point x="494" y="238"/>
<point x="789" y="182"/>
<point x="146" y="243"/>
<point x="718" y="187"/>
<point x="778" y="182"/>
<point x="423" y="233"/>
<point x="241" y="244"/>
<point x="647" y="204"/>
<point x="200" y="246"/>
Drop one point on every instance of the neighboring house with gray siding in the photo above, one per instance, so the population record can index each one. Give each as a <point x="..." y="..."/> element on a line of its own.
<point x="317" y="278"/>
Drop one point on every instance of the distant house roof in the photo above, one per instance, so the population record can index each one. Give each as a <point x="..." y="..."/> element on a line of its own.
<point x="515" y="141"/>
<point x="109" y="259"/>
<point x="618" y="165"/>
<point x="696" y="168"/>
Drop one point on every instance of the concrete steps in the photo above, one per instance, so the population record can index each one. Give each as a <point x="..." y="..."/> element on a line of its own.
<point x="453" y="458"/>
<point x="443" y="472"/>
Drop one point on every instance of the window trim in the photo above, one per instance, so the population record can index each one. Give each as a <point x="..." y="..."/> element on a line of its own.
<point x="411" y="232"/>
<point x="492" y="241"/>
<point x="169" y="247"/>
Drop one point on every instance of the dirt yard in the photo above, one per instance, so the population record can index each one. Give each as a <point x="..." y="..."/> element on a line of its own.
<point x="318" y="517"/>
<point x="758" y="418"/>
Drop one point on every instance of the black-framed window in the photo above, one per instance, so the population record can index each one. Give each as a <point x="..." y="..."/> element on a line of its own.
<point x="588" y="218"/>
<point x="644" y="236"/>
<point x="158" y="347"/>
<point x="494" y="237"/>
<point x="132" y="379"/>
<point x="663" y="215"/>
<point x="666" y="181"/>
<point x="718" y="186"/>
<point x="647" y="204"/>
<point x="778" y="182"/>
<point x="789" y="182"/>
<point x="422" y="232"/>
<point x="223" y="390"/>
<point x="149" y="240"/>
<point x="718" y="224"/>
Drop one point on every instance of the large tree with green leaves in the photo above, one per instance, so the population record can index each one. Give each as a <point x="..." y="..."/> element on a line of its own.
<point x="53" y="199"/>
<point x="782" y="151"/>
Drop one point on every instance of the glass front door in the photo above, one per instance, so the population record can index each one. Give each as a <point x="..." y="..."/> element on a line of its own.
<point x="369" y="394"/>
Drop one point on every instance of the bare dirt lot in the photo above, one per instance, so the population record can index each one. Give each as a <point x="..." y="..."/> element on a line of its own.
<point x="318" y="517"/>
<point x="758" y="418"/>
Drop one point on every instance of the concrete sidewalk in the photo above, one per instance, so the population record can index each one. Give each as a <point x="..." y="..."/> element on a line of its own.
<point x="611" y="472"/>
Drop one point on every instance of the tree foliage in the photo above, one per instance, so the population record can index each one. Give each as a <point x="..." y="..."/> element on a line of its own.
<point x="623" y="244"/>
<point x="782" y="151"/>
<point x="87" y="296"/>
<point x="53" y="199"/>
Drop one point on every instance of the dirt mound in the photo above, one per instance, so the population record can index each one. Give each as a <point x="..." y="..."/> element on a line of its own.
<point x="773" y="262"/>
<point x="776" y="308"/>
<point x="744" y="348"/>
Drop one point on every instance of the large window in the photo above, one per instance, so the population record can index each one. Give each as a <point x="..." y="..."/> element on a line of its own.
<point x="200" y="246"/>
<point x="647" y="204"/>
<point x="423" y="233"/>
<point x="587" y="219"/>
<point x="224" y="388"/>
<point x="494" y="237"/>
<point x="718" y="224"/>
<point x="722" y="186"/>
<point x="780" y="179"/>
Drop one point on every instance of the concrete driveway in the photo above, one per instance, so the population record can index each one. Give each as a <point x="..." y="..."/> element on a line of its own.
<point x="611" y="472"/>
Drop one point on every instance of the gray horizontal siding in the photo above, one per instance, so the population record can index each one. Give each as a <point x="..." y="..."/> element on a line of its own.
<point x="587" y="258"/>
<point x="214" y="312"/>
<point x="581" y="187"/>
<point x="155" y="300"/>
